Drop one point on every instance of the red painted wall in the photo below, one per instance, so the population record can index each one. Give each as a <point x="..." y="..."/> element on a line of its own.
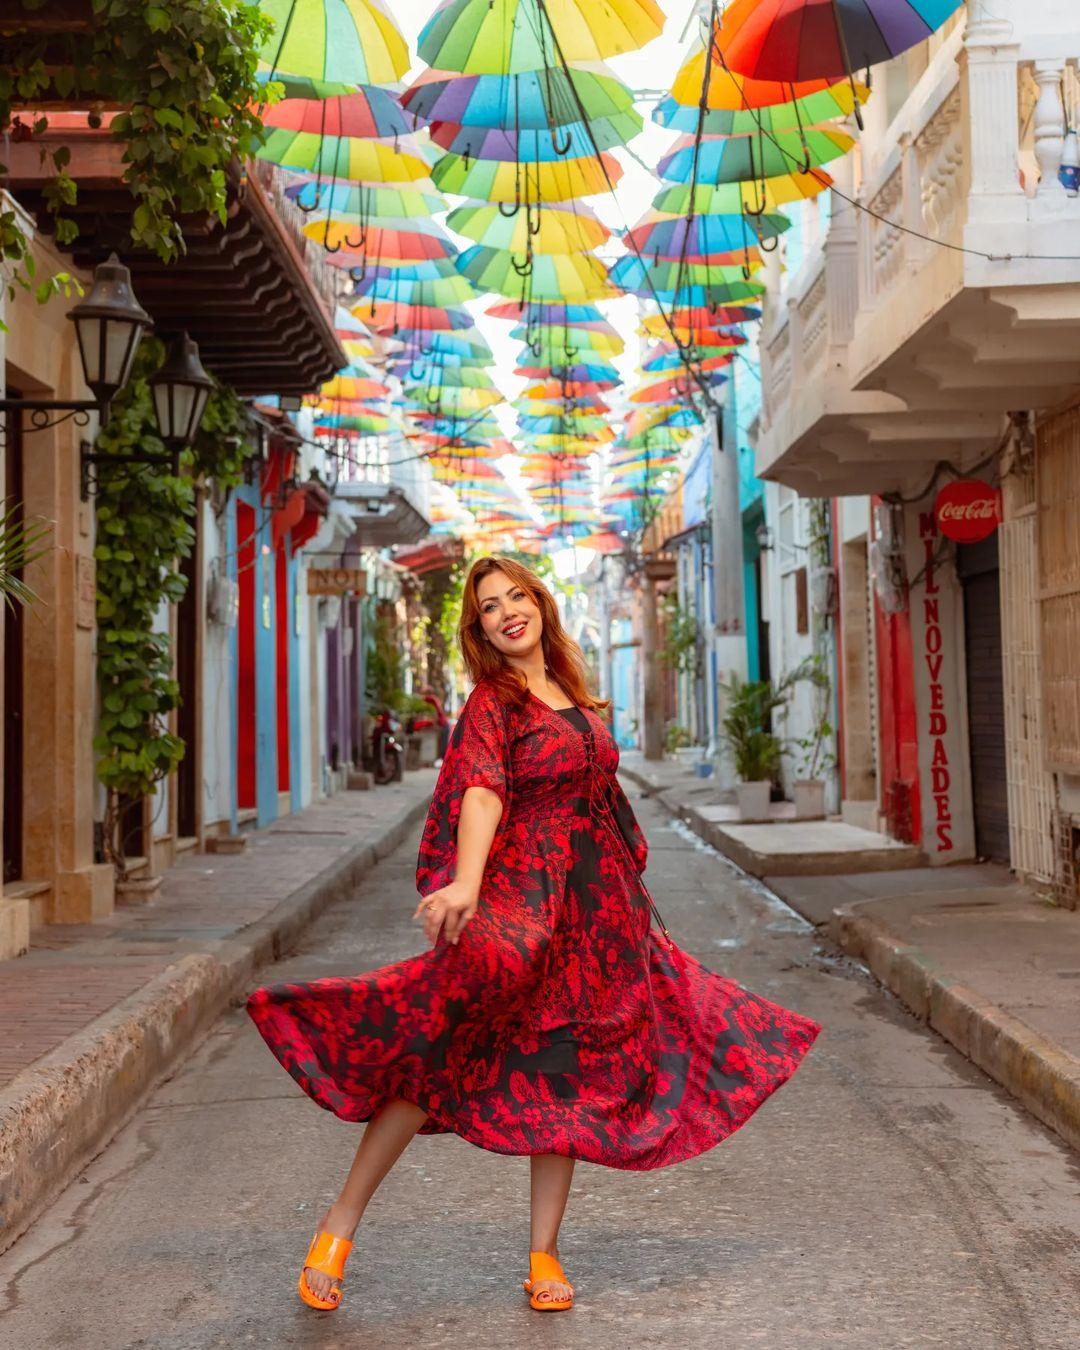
<point x="281" y="639"/>
<point x="898" y="726"/>
<point x="246" y="718"/>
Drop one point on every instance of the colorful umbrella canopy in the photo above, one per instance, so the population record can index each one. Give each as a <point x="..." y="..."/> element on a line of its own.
<point x="348" y="41"/>
<point x="835" y="100"/>
<point x="383" y="242"/>
<point x="364" y="201"/>
<point x="823" y="39"/>
<point x="739" y="159"/>
<point x="731" y="198"/>
<point x="505" y="37"/>
<point x="393" y="161"/>
<point x="496" y="181"/>
<point x="538" y="99"/>
<point x="545" y="277"/>
<point x="367" y="112"/>
<point x="667" y="236"/>
<point x="575" y="140"/>
<point x="439" y="292"/>
<point x="642" y="276"/>
<point x="696" y="327"/>
<point x="383" y="316"/>
<point x="729" y="91"/>
<point x="544" y="230"/>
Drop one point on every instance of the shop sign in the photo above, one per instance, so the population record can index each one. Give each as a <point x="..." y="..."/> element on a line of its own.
<point x="337" y="581"/>
<point x="968" y="510"/>
<point x="934" y="655"/>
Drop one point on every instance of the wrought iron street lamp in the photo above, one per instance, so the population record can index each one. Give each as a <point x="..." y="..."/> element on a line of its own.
<point x="180" y="390"/>
<point x="109" y="324"/>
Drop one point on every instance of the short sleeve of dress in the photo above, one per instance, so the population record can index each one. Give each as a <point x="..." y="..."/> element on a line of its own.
<point x="477" y="755"/>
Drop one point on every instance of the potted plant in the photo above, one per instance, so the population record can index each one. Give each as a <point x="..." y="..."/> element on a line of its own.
<point x="815" y="756"/>
<point x="755" y="750"/>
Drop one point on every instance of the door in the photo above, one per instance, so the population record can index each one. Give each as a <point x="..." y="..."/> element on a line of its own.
<point x="12" y="621"/>
<point x="977" y="567"/>
<point x="245" y="665"/>
<point x="187" y="772"/>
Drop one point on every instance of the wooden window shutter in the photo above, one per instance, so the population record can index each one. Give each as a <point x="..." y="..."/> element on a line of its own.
<point x="1057" y="498"/>
<point x="802" y="602"/>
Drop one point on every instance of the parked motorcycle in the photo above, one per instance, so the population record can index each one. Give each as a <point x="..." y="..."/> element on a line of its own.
<point x="387" y="749"/>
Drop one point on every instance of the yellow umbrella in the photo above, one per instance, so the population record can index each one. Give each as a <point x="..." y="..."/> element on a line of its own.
<point x="504" y="181"/>
<point x="547" y="230"/>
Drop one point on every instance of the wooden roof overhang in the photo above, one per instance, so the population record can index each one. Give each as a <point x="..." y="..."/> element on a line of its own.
<point x="242" y="289"/>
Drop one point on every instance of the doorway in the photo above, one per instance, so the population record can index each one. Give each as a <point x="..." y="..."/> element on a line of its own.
<point x="977" y="568"/>
<point x="13" y="639"/>
<point x="187" y="647"/>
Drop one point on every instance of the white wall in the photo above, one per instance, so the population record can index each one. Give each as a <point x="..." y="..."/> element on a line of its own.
<point x="218" y="757"/>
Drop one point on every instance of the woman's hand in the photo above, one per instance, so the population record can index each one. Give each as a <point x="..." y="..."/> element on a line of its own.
<point x="449" y="910"/>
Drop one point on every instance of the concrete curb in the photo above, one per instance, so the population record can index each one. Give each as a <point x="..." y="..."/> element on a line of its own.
<point x="1045" y="1078"/>
<point x="64" y="1109"/>
<point x="1041" y="1075"/>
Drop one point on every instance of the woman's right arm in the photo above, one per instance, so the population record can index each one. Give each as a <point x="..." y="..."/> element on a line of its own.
<point x="450" y="908"/>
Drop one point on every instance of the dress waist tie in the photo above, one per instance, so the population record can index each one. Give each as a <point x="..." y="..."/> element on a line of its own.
<point x="603" y="787"/>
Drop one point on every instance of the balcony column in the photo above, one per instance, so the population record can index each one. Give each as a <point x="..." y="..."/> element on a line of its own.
<point x="1049" y="126"/>
<point x="842" y="258"/>
<point x="989" y="61"/>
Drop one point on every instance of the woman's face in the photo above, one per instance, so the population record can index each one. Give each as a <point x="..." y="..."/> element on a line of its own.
<point x="509" y="617"/>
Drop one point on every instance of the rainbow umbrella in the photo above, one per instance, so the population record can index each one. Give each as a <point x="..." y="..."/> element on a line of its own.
<point x="537" y="99"/>
<point x="343" y="41"/>
<point x="578" y="372"/>
<point x="383" y="316"/>
<point x="505" y="37"/>
<point x="823" y="39"/>
<point x="548" y="389"/>
<point x="732" y="198"/>
<point x="575" y="140"/>
<point x="364" y="201"/>
<point x="438" y="292"/>
<point x="350" y="157"/>
<point x="835" y="100"/>
<point x="367" y="112"/>
<point x="353" y="387"/>
<point x="496" y="181"/>
<point x="675" y="237"/>
<point x="697" y="328"/>
<point x="551" y="314"/>
<point x="385" y="242"/>
<point x="673" y="361"/>
<point x="543" y="230"/>
<point x="546" y="276"/>
<point x="740" y="159"/>
<point x="643" y="276"/>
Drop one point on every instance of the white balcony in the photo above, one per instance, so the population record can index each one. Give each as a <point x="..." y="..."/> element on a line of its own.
<point x="888" y="351"/>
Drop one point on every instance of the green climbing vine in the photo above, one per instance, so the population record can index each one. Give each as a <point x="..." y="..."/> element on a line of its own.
<point x="145" y="527"/>
<point x="184" y="74"/>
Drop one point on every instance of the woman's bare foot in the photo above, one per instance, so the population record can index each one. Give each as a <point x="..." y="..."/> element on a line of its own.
<point x="339" y="1222"/>
<point x="552" y="1291"/>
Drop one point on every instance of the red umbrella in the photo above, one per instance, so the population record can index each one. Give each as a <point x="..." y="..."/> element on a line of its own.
<point x="823" y="39"/>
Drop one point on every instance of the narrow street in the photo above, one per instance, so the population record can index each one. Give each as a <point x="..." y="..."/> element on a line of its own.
<point x="889" y="1196"/>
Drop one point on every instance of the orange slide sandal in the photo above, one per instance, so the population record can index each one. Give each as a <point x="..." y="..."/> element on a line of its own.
<point x="544" y="1266"/>
<point x="328" y="1255"/>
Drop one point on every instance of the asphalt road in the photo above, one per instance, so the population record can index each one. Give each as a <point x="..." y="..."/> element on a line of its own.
<point x="888" y="1196"/>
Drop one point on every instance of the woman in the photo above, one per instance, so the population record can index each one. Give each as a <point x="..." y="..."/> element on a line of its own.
<point x="548" y="1018"/>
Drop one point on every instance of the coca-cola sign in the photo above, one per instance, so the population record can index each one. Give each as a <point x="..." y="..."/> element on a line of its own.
<point x="968" y="510"/>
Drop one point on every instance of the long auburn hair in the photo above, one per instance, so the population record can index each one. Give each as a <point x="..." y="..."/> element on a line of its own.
<point x="484" y="661"/>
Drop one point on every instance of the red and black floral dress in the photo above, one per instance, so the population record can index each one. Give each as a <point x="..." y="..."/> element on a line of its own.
<point x="561" y="1022"/>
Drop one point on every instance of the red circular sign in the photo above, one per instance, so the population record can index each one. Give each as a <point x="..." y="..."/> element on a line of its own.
<point x="968" y="510"/>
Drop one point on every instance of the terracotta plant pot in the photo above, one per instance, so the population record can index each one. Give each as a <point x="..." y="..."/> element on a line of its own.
<point x="753" y="799"/>
<point x="810" y="799"/>
<point x="137" y="892"/>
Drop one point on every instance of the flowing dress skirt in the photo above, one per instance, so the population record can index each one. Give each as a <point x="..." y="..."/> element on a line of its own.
<point x="561" y="1022"/>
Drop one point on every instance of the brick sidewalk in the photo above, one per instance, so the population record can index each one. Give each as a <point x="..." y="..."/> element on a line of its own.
<point x="75" y="972"/>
